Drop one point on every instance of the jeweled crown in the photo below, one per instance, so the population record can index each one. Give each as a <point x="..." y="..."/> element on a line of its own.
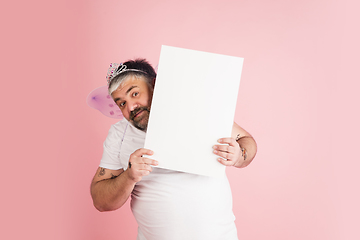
<point x="115" y="69"/>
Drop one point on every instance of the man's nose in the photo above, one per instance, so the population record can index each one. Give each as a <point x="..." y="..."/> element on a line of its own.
<point x="132" y="106"/>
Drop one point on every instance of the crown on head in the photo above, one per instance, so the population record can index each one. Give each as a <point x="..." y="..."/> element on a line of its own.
<point x="115" y="69"/>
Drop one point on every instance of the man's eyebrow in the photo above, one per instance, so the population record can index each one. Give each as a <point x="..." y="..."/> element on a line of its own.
<point x="130" y="88"/>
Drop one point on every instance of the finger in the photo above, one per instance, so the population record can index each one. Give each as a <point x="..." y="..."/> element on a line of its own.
<point x="224" y="148"/>
<point x="143" y="172"/>
<point x="230" y="141"/>
<point x="225" y="162"/>
<point x="224" y="155"/>
<point x="142" y="151"/>
<point x="150" y="161"/>
<point x="145" y="167"/>
<point x="141" y="163"/>
<point x="140" y="169"/>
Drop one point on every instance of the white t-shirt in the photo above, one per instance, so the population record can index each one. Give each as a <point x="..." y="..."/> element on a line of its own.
<point x="171" y="205"/>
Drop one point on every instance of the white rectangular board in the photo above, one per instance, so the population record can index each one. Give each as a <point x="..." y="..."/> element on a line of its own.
<point x="193" y="105"/>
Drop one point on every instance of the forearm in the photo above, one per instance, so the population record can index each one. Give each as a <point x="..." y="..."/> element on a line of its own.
<point x="111" y="194"/>
<point x="249" y="149"/>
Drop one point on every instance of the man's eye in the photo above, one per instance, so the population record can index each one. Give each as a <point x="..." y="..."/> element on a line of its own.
<point x="135" y="94"/>
<point x="122" y="104"/>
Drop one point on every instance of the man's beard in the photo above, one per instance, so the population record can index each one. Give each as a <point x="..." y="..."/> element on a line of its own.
<point x="140" y="122"/>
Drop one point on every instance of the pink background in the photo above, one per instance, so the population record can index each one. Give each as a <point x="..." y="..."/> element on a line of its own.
<point x="298" y="97"/>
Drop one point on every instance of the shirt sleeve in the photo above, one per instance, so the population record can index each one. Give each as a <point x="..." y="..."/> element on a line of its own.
<point x="111" y="154"/>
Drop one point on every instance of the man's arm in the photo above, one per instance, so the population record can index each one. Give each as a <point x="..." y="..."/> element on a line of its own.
<point x="247" y="146"/>
<point x="111" y="188"/>
<point x="239" y="150"/>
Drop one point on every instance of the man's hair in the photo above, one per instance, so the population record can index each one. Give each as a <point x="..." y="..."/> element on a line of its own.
<point x="146" y="71"/>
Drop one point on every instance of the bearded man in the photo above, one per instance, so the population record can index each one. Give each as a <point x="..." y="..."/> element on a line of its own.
<point x="167" y="204"/>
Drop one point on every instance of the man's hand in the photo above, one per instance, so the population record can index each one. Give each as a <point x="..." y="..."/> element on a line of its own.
<point x="229" y="153"/>
<point x="139" y="166"/>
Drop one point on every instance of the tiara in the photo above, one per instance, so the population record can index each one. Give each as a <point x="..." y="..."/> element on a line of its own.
<point x="115" y="69"/>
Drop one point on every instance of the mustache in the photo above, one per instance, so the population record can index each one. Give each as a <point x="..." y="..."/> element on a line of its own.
<point x="137" y="110"/>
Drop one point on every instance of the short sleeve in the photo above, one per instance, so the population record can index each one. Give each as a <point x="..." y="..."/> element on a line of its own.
<point x="122" y="140"/>
<point x="111" y="154"/>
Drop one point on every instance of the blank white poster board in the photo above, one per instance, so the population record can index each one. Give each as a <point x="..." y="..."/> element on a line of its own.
<point x="193" y="106"/>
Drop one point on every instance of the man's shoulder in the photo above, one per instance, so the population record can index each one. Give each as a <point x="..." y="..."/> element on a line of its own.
<point x="123" y="126"/>
<point x="120" y="125"/>
<point x="118" y="128"/>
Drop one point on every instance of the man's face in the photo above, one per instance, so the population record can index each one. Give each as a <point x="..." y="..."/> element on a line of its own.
<point x="133" y="97"/>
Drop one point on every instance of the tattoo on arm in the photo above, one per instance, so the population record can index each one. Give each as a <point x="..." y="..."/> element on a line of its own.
<point x="243" y="153"/>
<point x="102" y="172"/>
<point x="243" y="150"/>
<point x="238" y="137"/>
<point x="114" y="176"/>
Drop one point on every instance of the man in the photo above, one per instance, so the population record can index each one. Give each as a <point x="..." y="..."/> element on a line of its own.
<point x="166" y="204"/>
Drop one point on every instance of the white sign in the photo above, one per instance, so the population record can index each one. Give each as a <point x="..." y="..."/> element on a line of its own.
<point x="193" y="105"/>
